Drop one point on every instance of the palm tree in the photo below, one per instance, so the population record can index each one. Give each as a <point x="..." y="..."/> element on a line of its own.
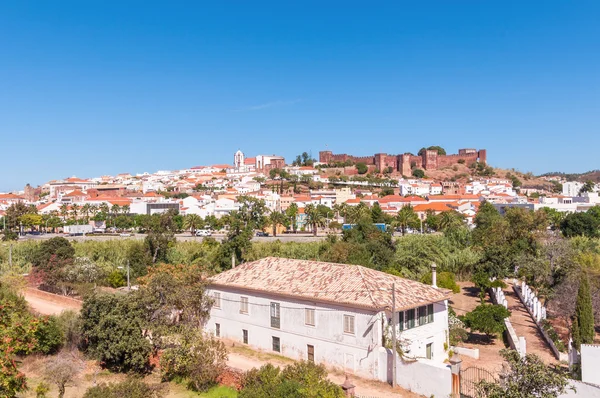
<point x="450" y="220"/>
<point x="292" y="213"/>
<point x="405" y="218"/>
<point x="314" y="218"/>
<point x="125" y="209"/>
<point x="115" y="209"/>
<point x="64" y="211"/>
<point x="85" y="210"/>
<point x="192" y="222"/>
<point x="276" y="218"/>
<point x="74" y="211"/>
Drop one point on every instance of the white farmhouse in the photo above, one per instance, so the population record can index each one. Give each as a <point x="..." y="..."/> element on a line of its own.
<point x="335" y="314"/>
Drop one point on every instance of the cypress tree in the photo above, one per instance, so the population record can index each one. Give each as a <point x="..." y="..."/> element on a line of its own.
<point x="583" y="324"/>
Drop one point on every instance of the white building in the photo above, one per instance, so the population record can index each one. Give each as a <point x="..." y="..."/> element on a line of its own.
<point x="335" y="314"/>
<point x="571" y="188"/>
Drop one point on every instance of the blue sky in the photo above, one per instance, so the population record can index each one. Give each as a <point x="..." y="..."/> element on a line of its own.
<point x="100" y="87"/>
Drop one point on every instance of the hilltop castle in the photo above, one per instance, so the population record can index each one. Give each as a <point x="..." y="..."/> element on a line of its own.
<point x="428" y="160"/>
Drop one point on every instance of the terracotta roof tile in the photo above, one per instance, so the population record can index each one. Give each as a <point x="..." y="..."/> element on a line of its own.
<point x="336" y="283"/>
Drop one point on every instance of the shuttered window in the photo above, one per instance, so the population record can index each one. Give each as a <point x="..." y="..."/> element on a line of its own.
<point x="309" y="316"/>
<point x="430" y="313"/>
<point x="422" y="315"/>
<point x="410" y="319"/>
<point x="401" y="320"/>
<point x="244" y="305"/>
<point x="275" y="316"/>
<point x="349" y="324"/>
<point x="217" y="299"/>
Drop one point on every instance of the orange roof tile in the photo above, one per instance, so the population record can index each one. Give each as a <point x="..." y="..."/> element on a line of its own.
<point x="335" y="283"/>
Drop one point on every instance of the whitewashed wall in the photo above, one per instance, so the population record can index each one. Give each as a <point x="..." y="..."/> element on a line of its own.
<point x="590" y="363"/>
<point x="333" y="347"/>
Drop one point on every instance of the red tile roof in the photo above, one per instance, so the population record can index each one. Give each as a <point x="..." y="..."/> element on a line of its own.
<point x="335" y="283"/>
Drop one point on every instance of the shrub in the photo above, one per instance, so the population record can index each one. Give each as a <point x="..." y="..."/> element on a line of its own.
<point x="116" y="279"/>
<point x="418" y="173"/>
<point x="49" y="336"/>
<point x="445" y="280"/>
<point x="487" y="318"/>
<point x="130" y="388"/>
<point x="197" y="360"/>
<point x="70" y="325"/>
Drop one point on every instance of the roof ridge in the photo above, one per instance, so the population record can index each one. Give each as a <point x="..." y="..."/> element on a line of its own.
<point x="362" y="277"/>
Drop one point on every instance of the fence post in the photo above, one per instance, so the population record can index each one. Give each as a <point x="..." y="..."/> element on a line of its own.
<point x="455" y="364"/>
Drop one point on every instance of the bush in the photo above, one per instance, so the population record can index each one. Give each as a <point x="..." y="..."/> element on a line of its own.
<point x="198" y="360"/>
<point x="49" y="336"/>
<point x="487" y="318"/>
<point x="130" y="388"/>
<point x="418" y="173"/>
<point x="361" y="168"/>
<point x="445" y="280"/>
<point x="302" y="379"/>
<point x="70" y="325"/>
<point x="116" y="279"/>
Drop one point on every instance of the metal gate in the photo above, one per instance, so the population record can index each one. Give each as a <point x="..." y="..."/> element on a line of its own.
<point x="469" y="378"/>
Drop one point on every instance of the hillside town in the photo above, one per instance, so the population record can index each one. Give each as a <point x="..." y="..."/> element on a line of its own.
<point x="341" y="182"/>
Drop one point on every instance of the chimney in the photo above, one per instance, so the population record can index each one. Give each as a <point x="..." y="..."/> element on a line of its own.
<point x="433" y="275"/>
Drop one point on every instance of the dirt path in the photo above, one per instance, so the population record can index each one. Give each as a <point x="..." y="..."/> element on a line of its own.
<point x="489" y="352"/>
<point x="49" y="304"/>
<point x="524" y="326"/>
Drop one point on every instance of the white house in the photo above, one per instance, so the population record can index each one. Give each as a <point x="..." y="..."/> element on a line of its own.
<point x="335" y="314"/>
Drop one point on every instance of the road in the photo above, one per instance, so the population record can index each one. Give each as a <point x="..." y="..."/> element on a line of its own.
<point x="182" y="237"/>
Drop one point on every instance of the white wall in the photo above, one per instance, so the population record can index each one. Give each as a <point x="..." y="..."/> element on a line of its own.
<point x="582" y="390"/>
<point x="436" y="333"/>
<point x="590" y="363"/>
<point x="428" y="378"/>
<point x="353" y="353"/>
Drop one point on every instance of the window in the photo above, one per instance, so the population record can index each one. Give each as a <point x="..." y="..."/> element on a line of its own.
<point x="217" y="298"/>
<point x="217" y="329"/>
<point x="275" y="316"/>
<point x="422" y="315"/>
<point x="309" y="316"/>
<point x="245" y="336"/>
<point x="276" y="344"/>
<point x="243" y="305"/>
<point x="311" y="352"/>
<point x="410" y="319"/>
<point x="401" y="320"/>
<point x="349" y="324"/>
<point x="430" y="313"/>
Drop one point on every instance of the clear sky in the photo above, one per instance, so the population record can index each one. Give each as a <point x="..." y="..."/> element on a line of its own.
<point x="100" y="87"/>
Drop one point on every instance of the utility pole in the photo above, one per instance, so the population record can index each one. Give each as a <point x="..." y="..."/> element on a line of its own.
<point x="393" y="335"/>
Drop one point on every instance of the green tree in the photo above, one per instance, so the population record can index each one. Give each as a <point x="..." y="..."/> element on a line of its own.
<point x="276" y="218"/>
<point x="31" y="220"/>
<point x="314" y="218"/>
<point x="192" y="222"/>
<point x="439" y="149"/>
<point x="528" y="377"/>
<point x="361" y="168"/>
<point x="292" y="213"/>
<point x="487" y="319"/>
<point x="406" y="218"/>
<point x="588" y="186"/>
<point x="580" y="224"/>
<point x="377" y="215"/>
<point x="583" y="321"/>
<point x="419" y="173"/>
<point x="113" y="332"/>
<point x="15" y="212"/>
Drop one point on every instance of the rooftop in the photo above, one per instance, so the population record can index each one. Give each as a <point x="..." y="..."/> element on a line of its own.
<point x="335" y="283"/>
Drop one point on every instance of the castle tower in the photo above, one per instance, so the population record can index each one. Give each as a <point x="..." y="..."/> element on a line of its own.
<point x="404" y="164"/>
<point x="325" y="156"/>
<point x="430" y="160"/>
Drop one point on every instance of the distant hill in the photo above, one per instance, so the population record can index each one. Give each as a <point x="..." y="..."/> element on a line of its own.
<point x="593" y="175"/>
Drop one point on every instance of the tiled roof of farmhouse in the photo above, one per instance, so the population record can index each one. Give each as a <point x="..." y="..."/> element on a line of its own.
<point x="336" y="283"/>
